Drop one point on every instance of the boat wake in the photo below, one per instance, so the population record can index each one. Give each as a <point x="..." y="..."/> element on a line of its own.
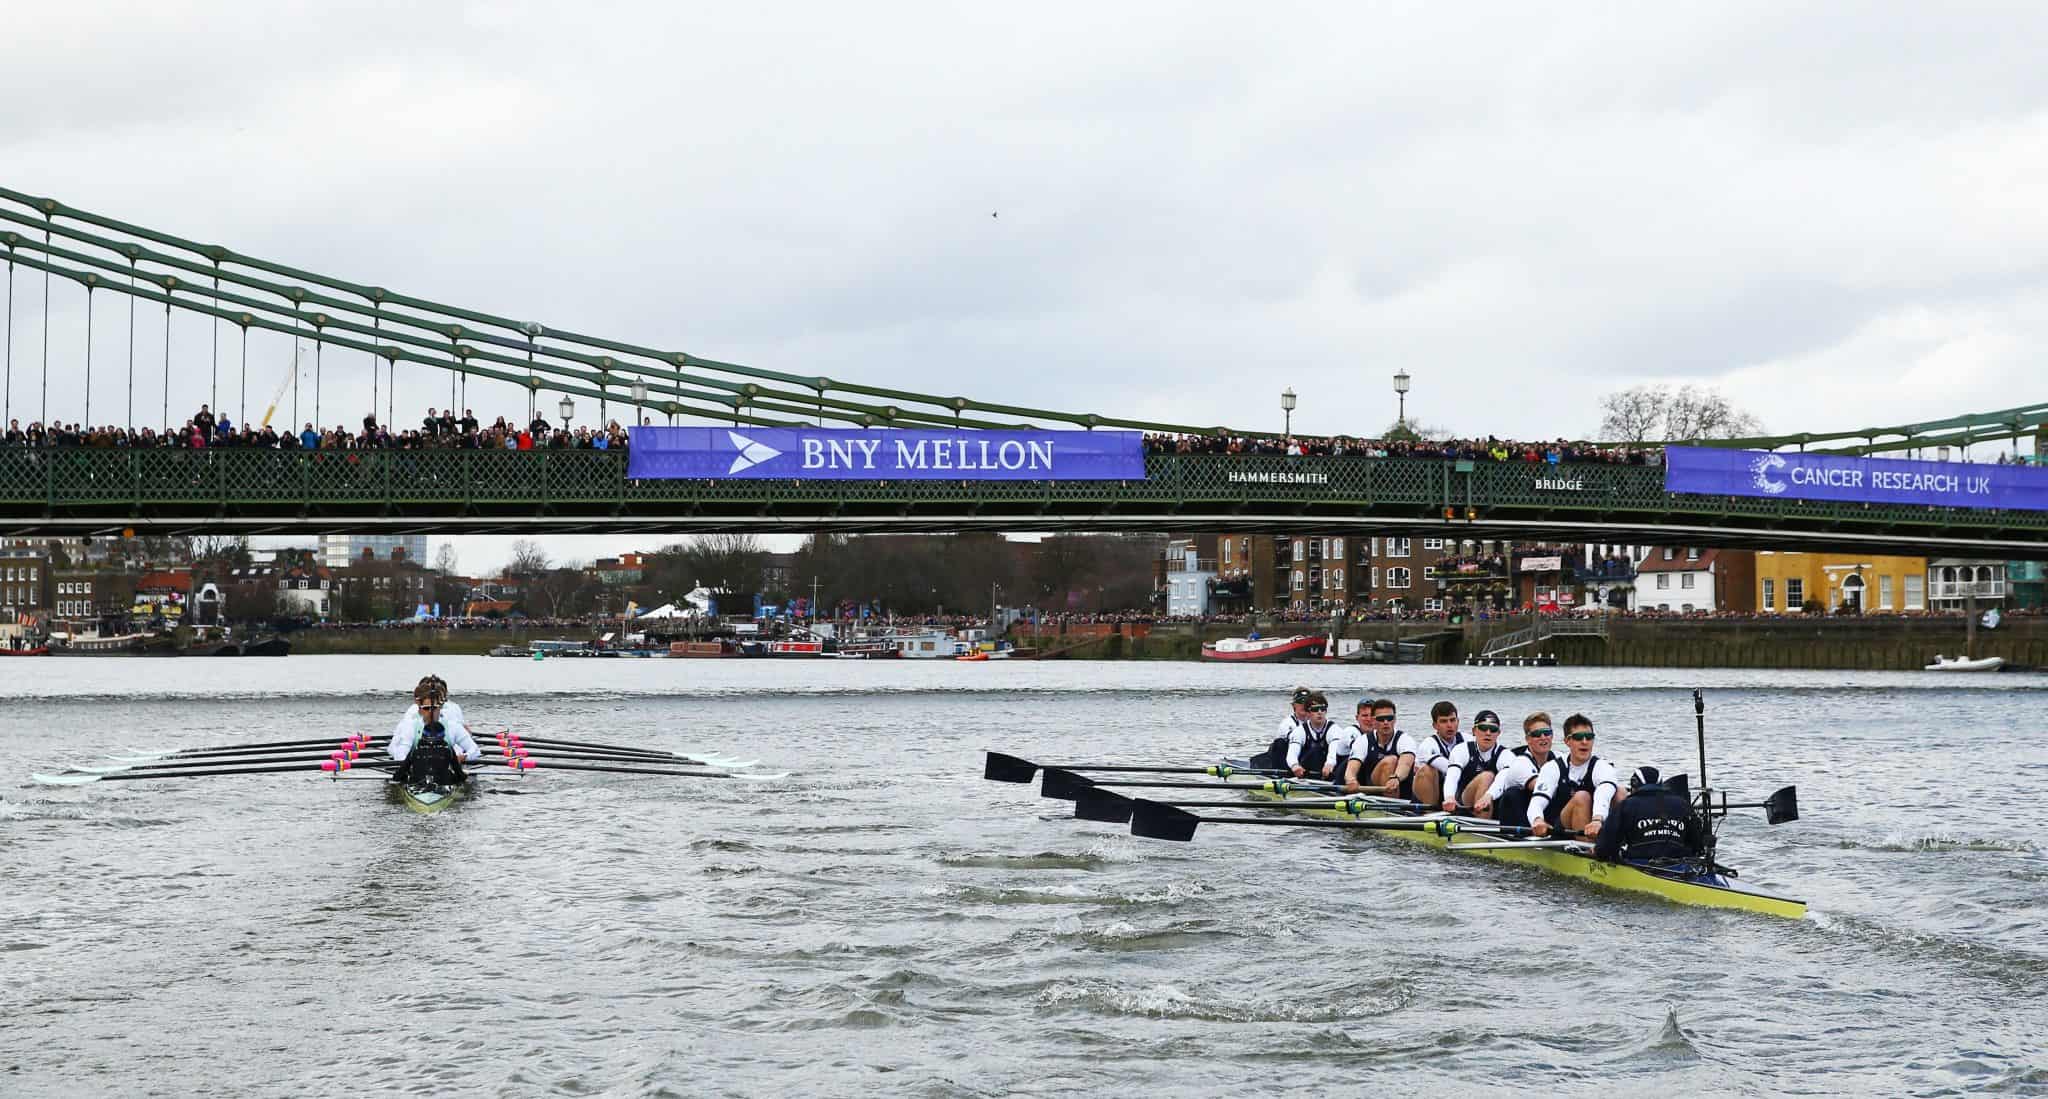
<point x="1169" y="1002"/>
<point x="1898" y="841"/>
<point x="1670" y="1045"/>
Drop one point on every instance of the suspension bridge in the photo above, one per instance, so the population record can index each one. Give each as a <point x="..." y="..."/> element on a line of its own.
<point x="358" y="327"/>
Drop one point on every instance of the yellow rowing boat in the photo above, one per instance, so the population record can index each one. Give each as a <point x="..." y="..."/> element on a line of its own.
<point x="1710" y="890"/>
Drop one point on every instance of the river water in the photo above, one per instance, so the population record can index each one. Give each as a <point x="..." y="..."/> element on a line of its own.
<point x="882" y="921"/>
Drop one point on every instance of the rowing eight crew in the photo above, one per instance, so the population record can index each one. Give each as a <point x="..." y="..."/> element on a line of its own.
<point x="1577" y="792"/>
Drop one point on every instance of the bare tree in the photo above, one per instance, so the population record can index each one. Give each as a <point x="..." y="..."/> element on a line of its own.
<point x="731" y="561"/>
<point x="445" y="560"/>
<point x="1659" y="413"/>
<point x="1414" y="431"/>
<point x="528" y="559"/>
<point x="552" y="592"/>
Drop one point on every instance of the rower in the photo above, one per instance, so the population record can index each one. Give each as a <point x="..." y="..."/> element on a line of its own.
<point x="1387" y="759"/>
<point x="1473" y="764"/>
<point x="1275" y="755"/>
<point x="1433" y="758"/>
<point x="1575" y="791"/>
<point x="431" y="710"/>
<point x="1349" y="739"/>
<point x="1655" y="825"/>
<point x="1308" y="746"/>
<point x="1506" y="798"/>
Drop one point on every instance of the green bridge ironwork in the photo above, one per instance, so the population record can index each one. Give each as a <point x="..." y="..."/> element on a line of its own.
<point x="76" y="491"/>
<point x="362" y="327"/>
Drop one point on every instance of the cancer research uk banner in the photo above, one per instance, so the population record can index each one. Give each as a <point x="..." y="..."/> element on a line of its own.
<point x="864" y="454"/>
<point x="1716" y="472"/>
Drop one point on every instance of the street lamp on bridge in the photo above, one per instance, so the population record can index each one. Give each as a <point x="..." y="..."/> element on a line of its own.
<point x="1287" y="407"/>
<point x="1401" y="392"/>
<point x="567" y="408"/>
<point x="640" y="399"/>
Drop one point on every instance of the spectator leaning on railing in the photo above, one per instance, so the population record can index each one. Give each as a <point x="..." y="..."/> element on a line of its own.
<point x="438" y="431"/>
<point x="1488" y="449"/>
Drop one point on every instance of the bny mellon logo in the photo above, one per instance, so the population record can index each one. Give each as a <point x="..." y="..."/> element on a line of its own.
<point x="750" y="454"/>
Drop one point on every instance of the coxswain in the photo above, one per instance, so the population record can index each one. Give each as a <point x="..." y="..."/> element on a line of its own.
<point x="1433" y="756"/>
<point x="1308" y="746"/>
<point x="435" y="727"/>
<point x="1473" y="764"/>
<point x="1275" y="754"/>
<point x="1574" y="791"/>
<point x="1654" y="825"/>
<point x="1385" y="758"/>
<point x="1506" y="798"/>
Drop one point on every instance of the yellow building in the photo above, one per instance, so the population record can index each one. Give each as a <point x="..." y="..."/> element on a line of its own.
<point x="1870" y="584"/>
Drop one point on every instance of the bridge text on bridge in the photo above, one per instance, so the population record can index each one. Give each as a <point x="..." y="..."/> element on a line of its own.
<point x="1560" y="484"/>
<point x="1278" y="478"/>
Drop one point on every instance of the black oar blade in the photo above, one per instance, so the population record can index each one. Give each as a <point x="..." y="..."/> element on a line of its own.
<point x="1062" y="784"/>
<point x="1154" y="821"/>
<point x="1002" y="768"/>
<point x="1783" y="806"/>
<point x="1101" y="805"/>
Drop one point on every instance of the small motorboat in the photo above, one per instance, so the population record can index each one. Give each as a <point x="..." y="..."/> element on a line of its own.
<point x="1965" y="664"/>
<point x="1265" y="650"/>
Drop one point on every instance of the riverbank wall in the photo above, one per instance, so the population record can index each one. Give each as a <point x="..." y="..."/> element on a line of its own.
<point x="1794" y="641"/>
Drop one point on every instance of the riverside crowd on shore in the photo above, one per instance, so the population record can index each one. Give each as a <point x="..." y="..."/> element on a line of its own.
<point x="439" y="429"/>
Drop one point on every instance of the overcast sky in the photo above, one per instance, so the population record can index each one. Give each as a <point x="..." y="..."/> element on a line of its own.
<point x="1833" y="214"/>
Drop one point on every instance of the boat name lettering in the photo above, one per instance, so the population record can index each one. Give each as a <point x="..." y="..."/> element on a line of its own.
<point x="1278" y="478"/>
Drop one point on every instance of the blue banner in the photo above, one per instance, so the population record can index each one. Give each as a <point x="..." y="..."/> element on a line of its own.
<point x="1717" y="472"/>
<point x="863" y="454"/>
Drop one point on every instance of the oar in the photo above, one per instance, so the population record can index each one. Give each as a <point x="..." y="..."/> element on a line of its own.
<point x="1781" y="807"/>
<point x="1152" y="820"/>
<point x="530" y="765"/>
<point x="215" y="749"/>
<point x="586" y="744"/>
<point x="1101" y="805"/>
<point x="1063" y="784"/>
<point x="594" y="753"/>
<point x="1066" y="785"/>
<point x="1008" y="768"/>
<point x="129" y="776"/>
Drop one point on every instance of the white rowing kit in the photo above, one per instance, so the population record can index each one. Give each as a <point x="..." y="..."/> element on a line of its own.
<point x="1297" y="739"/>
<point x="408" y="730"/>
<point x="1516" y="769"/>
<point x="1596" y="773"/>
<point x="1438" y="754"/>
<point x="1461" y="767"/>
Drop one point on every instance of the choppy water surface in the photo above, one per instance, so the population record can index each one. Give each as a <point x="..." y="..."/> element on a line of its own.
<point x="883" y="921"/>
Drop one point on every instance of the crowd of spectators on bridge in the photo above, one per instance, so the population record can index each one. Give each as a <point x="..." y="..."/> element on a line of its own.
<point x="438" y="429"/>
<point x="1483" y="450"/>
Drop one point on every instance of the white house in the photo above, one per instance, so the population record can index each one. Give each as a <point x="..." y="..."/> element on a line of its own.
<point x="1675" y="578"/>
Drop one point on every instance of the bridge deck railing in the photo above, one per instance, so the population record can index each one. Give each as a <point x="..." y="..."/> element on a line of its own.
<point x="434" y="484"/>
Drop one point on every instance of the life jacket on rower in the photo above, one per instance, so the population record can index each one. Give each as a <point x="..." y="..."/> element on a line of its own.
<point x="432" y="761"/>
<point x="434" y="734"/>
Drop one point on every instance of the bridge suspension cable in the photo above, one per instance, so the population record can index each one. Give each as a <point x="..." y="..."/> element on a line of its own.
<point x="223" y="285"/>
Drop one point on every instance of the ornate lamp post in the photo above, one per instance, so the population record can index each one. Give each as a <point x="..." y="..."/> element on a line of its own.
<point x="567" y="408"/>
<point x="1401" y="391"/>
<point x="640" y="398"/>
<point x="1287" y="403"/>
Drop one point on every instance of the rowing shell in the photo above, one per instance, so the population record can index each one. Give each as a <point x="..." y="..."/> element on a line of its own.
<point x="429" y="797"/>
<point x="1704" y="890"/>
